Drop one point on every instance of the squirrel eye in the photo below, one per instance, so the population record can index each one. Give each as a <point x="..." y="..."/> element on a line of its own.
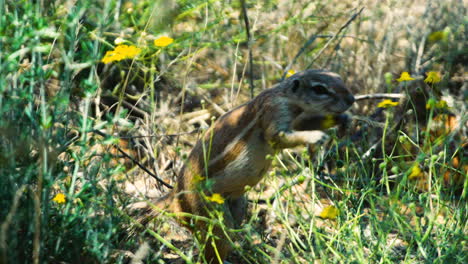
<point x="320" y="89"/>
<point x="295" y="86"/>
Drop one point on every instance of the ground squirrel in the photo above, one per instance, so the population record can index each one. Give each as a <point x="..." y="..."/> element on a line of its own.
<point x="233" y="153"/>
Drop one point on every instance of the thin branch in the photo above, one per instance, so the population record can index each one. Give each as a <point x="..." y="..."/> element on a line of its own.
<point x="345" y="25"/>
<point x="136" y="162"/>
<point x="379" y="96"/>
<point x="311" y="39"/>
<point x="4" y="227"/>
<point x="249" y="45"/>
<point x="162" y="135"/>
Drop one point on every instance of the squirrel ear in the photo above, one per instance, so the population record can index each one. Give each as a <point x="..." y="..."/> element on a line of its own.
<point x="295" y="85"/>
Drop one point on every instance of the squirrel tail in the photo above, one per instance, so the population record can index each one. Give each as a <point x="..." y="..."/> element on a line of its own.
<point x="144" y="212"/>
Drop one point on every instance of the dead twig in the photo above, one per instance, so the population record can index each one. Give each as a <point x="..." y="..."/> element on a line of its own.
<point x="162" y="135"/>
<point x="6" y="224"/>
<point x="157" y="178"/>
<point x="345" y="25"/>
<point x="249" y="45"/>
<point x="303" y="48"/>
<point x="309" y="42"/>
<point x="379" y="96"/>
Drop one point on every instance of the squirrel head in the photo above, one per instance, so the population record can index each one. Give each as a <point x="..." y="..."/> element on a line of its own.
<point x="318" y="91"/>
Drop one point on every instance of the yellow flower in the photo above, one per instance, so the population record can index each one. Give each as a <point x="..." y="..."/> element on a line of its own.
<point x="198" y="178"/>
<point x="436" y="36"/>
<point x="163" y="41"/>
<point x="128" y="51"/>
<point x="329" y="212"/>
<point x="431" y="103"/>
<point x="59" y="198"/>
<point x="216" y="197"/>
<point x="415" y="172"/>
<point x="432" y="77"/>
<point x="121" y="52"/>
<point x="387" y="103"/>
<point x="405" y="76"/>
<point x="111" y="56"/>
<point x="290" y="73"/>
<point x="328" y="121"/>
<point x="442" y="104"/>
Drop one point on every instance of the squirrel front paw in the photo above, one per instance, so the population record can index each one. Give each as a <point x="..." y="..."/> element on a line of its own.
<point x="316" y="137"/>
<point x="295" y="138"/>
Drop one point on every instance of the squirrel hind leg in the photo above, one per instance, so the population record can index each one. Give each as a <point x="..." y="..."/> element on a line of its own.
<point x="238" y="209"/>
<point x="221" y="247"/>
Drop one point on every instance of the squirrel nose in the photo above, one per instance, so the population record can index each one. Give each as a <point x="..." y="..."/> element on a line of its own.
<point x="349" y="99"/>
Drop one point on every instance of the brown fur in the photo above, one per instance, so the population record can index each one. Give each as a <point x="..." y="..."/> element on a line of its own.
<point x="232" y="154"/>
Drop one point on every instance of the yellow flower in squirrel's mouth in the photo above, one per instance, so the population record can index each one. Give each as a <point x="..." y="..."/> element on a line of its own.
<point x="328" y="121"/>
<point x="432" y="103"/>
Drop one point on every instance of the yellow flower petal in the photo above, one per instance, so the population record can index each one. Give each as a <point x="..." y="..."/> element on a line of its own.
<point x="442" y="104"/>
<point x="59" y="198"/>
<point x="121" y="52"/>
<point x="415" y="172"/>
<point x="387" y="103"/>
<point x="436" y="36"/>
<point x="198" y="178"/>
<point x="290" y="73"/>
<point x="329" y="212"/>
<point x="431" y="103"/>
<point x="109" y="57"/>
<point x="405" y="76"/>
<point x="432" y="77"/>
<point x="127" y="51"/>
<point x="216" y="197"/>
<point x="328" y="122"/>
<point x="163" y="41"/>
